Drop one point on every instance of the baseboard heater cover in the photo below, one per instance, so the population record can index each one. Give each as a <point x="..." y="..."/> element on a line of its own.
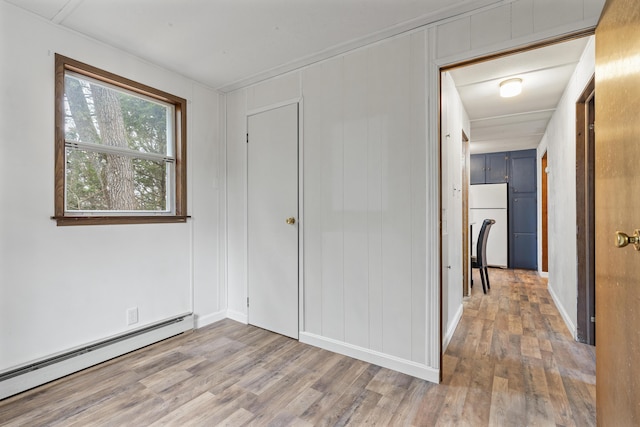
<point x="41" y="372"/>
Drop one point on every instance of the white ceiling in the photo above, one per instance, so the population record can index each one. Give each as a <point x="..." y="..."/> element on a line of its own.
<point x="229" y="43"/>
<point x="226" y="44"/>
<point x="509" y="124"/>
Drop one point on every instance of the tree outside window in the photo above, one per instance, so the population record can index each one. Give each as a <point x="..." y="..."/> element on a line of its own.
<point x="120" y="149"/>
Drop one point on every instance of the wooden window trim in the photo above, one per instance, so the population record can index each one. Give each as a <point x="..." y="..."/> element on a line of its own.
<point x="63" y="64"/>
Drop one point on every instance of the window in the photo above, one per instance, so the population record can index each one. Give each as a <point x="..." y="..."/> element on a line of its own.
<point x="120" y="149"/>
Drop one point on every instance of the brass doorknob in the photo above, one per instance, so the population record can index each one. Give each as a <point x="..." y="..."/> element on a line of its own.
<point x="290" y="220"/>
<point x="623" y="239"/>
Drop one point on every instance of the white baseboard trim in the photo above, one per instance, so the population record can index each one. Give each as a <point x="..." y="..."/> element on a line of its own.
<point x="237" y="316"/>
<point x="563" y="312"/>
<point x="201" y="321"/>
<point x="452" y="328"/>
<point x="544" y="274"/>
<point x="58" y="366"/>
<point x="408" y="367"/>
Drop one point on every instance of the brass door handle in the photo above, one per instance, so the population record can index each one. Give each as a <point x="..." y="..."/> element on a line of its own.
<point x="623" y="239"/>
<point x="290" y="220"/>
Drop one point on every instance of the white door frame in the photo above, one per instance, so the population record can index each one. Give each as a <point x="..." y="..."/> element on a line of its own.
<point x="299" y="219"/>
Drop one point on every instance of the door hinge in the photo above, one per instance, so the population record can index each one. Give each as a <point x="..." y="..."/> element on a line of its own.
<point x="247" y="301"/>
<point x="247" y="138"/>
<point x="592" y="126"/>
<point x="593" y="319"/>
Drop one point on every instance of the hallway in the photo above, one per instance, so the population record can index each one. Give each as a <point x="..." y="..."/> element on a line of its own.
<point x="512" y="360"/>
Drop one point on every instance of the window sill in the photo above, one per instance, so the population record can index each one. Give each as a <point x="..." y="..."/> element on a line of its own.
<point x="109" y="220"/>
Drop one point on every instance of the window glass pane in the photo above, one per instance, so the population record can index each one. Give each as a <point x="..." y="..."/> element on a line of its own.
<point x="99" y="114"/>
<point x="110" y="182"/>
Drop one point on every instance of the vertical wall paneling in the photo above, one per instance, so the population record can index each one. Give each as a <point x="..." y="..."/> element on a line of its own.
<point x="433" y="237"/>
<point x="332" y="197"/>
<point x="365" y="198"/>
<point x="454" y="37"/>
<point x="396" y="200"/>
<point x="324" y="199"/>
<point x="561" y="13"/>
<point x="418" y="197"/>
<point x="521" y="18"/>
<point x="483" y="35"/>
<point x="356" y="248"/>
<point x="375" y="123"/>
<point x="312" y="90"/>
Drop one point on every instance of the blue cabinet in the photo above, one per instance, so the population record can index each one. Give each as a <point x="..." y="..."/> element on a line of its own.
<point x="490" y="168"/>
<point x="496" y="168"/>
<point x="523" y="224"/>
<point x="477" y="169"/>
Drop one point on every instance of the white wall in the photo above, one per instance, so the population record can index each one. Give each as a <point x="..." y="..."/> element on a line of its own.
<point x="61" y="287"/>
<point x="559" y="142"/>
<point x="364" y="132"/>
<point x="371" y="180"/>
<point x="454" y="121"/>
<point x="363" y="121"/>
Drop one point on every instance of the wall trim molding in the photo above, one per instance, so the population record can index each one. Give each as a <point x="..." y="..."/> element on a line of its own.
<point x="208" y="319"/>
<point x="238" y="317"/>
<point x="563" y="312"/>
<point x="408" y="367"/>
<point x="452" y="328"/>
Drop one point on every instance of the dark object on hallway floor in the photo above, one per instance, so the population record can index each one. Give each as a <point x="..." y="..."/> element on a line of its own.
<point x="480" y="260"/>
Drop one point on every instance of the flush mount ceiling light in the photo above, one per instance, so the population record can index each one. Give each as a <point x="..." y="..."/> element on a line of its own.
<point x="511" y="87"/>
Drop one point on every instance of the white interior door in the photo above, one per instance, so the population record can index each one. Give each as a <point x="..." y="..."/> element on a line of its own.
<point x="273" y="220"/>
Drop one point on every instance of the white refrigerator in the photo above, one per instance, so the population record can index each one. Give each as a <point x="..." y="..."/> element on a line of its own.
<point x="490" y="201"/>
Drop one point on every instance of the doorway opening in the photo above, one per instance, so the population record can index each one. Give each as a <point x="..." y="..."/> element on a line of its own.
<point x="511" y="138"/>
<point x="585" y="214"/>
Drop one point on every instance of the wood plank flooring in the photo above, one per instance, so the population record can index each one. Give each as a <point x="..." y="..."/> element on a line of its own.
<point x="511" y="362"/>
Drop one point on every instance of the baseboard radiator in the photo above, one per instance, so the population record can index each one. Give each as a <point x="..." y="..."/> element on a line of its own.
<point x="32" y="375"/>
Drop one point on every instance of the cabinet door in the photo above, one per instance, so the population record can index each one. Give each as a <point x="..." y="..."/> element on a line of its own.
<point x="523" y="233"/>
<point x="524" y="255"/>
<point x="477" y="169"/>
<point x="523" y="175"/>
<point x="496" y="165"/>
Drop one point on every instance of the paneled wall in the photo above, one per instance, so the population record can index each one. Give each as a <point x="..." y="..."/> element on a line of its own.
<point x="371" y="180"/>
<point x="363" y="168"/>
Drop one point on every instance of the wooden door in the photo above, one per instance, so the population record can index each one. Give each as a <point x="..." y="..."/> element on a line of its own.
<point x="617" y="200"/>
<point x="272" y="220"/>
<point x="585" y="214"/>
